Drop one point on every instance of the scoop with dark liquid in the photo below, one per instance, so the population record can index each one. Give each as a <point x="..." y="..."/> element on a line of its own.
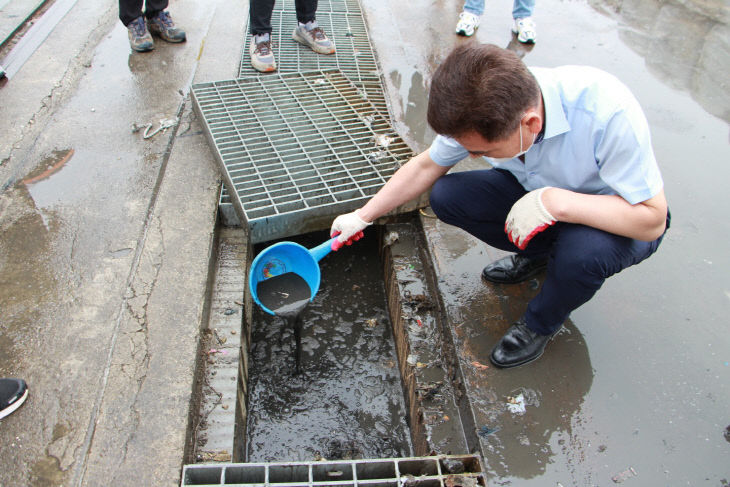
<point x="287" y="295"/>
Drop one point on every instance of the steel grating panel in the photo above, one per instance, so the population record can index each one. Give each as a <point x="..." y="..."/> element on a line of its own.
<point x="354" y="55"/>
<point x="434" y="471"/>
<point x="297" y="149"/>
<point x="350" y="6"/>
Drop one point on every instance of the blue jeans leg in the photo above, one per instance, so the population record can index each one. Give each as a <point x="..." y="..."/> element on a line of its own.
<point x="522" y="8"/>
<point x="581" y="258"/>
<point x="475" y="7"/>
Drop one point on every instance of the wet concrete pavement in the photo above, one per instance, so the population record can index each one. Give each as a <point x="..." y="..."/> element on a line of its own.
<point x="104" y="233"/>
<point x="639" y="377"/>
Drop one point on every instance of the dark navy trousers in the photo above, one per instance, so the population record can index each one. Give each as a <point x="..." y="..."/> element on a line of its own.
<point x="261" y="11"/>
<point x="131" y="9"/>
<point x="580" y="258"/>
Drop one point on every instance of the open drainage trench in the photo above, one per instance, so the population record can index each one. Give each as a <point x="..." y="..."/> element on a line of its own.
<point x="350" y="400"/>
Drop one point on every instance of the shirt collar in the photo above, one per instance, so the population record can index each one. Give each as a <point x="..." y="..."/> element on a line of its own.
<point x="556" y="122"/>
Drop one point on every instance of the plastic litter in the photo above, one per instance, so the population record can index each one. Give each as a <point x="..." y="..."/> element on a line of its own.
<point x="516" y="404"/>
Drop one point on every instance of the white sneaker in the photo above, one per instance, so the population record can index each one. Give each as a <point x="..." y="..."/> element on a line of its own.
<point x="467" y="24"/>
<point x="525" y="30"/>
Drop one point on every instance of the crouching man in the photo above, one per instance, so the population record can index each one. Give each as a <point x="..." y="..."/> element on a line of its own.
<point x="574" y="186"/>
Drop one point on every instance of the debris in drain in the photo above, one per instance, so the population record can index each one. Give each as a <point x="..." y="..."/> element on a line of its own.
<point x="372" y="322"/>
<point x="229" y="312"/>
<point x="343" y="450"/>
<point x="375" y="156"/>
<point x="390" y="239"/>
<point x="407" y="480"/>
<point x="383" y="140"/>
<point x="460" y="481"/>
<point x="368" y="120"/>
<point x="334" y="473"/>
<point x="621" y="476"/>
<point x="417" y="301"/>
<point x="429" y="389"/>
<point x="453" y="465"/>
<point x="485" y="431"/>
<point x="214" y="456"/>
<point x="479" y="365"/>
<point x="516" y="404"/>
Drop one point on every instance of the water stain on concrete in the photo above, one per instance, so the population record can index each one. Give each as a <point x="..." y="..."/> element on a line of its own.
<point x="46" y="472"/>
<point x="49" y="166"/>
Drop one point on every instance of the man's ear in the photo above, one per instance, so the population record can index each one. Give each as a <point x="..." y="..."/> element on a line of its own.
<point x="533" y="120"/>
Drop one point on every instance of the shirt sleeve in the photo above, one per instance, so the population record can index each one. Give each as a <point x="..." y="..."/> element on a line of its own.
<point x="625" y="156"/>
<point x="445" y="151"/>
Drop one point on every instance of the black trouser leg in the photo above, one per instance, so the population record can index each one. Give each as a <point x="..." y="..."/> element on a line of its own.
<point x="131" y="9"/>
<point x="260" y="15"/>
<point x="306" y="10"/>
<point x="151" y="7"/>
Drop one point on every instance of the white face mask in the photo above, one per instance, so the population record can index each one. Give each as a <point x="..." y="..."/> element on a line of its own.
<point x="505" y="159"/>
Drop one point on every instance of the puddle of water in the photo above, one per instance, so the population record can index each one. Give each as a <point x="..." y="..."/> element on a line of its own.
<point x="347" y="403"/>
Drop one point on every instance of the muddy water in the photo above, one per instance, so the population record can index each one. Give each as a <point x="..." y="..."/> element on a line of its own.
<point x="347" y="402"/>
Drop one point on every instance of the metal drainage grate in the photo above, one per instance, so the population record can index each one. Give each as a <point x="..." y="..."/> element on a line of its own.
<point x="297" y="149"/>
<point x="436" y="471"/>
<point x="350" y="6"/>
<point x="354" y="55"/>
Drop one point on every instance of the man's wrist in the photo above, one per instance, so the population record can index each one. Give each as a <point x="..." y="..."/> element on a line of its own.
<point x="363" y="220"/>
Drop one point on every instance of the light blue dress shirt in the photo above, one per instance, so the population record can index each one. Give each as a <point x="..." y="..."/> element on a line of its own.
<point x="596" y="139"/>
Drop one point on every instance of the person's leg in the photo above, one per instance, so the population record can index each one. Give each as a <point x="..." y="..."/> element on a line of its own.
<point x="581" y="259"/>
<point x="475" y="7"/>
<point x="306" y="10"/>
<point x="524" y="26"/>
<point x="478" y="202"/>
<point x="130" y="13"/>
<point x="522" y="8"/>
<point x="129" y="10"/>
<point x="152" y="7"/>
<point x="260" y="16"/>
<point x="308" y="32"/>
<point x="469" y="17"/>
<point x="262" y="55"/>
<point x="160" y="23"/>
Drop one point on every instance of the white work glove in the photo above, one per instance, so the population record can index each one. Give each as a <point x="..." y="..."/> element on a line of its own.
<point x="349" y="228"/>
<point x="527" y="218"/>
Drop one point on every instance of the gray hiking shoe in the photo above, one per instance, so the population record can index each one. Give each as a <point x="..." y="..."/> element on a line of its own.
<point x="311" y="35"/>
<point x="139" y="37"/>
<point x="162" y="25"/>
<point x="262" y="57"/>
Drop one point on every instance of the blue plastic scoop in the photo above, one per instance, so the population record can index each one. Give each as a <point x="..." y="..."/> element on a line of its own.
<point x="286" y="257"/>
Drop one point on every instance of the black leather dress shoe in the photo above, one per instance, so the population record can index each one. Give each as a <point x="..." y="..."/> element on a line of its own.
<point x="513" y="269"/>
<point x="519" y="346"/>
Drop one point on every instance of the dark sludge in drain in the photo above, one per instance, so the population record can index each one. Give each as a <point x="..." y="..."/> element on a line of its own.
<point x="287" y="295"/>
<point x="347" y="401"/>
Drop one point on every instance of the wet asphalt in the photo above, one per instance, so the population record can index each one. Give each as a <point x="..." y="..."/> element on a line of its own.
<point x="635" y="390"/>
